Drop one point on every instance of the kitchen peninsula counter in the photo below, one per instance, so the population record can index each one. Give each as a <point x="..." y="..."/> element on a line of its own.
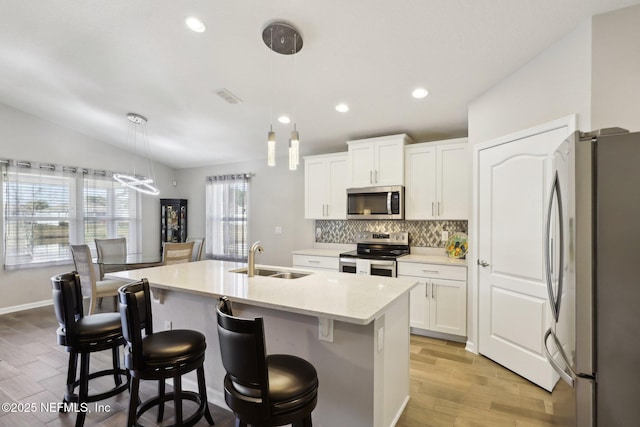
<point x="353" y="329"/>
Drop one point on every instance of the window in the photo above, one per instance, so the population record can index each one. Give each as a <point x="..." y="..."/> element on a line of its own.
<point x="226" y="219"/>
<point x="110" y="210"/>
<point x="48" y="207"/>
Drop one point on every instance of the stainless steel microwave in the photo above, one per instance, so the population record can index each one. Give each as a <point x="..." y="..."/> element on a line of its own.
<point x="375" y="202"/>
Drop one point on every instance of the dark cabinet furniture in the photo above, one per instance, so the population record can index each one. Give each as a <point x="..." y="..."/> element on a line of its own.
<point x="173" y="221"/>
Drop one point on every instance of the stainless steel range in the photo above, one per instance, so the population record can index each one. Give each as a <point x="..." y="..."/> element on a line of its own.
<point x="376" y="253"/>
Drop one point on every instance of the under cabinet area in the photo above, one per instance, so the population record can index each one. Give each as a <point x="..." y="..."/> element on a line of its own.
<point x="377" y="161"/>
<point x="437" y="180"/>
<point x="325" y="186"/>
<point x="439" y="302"/>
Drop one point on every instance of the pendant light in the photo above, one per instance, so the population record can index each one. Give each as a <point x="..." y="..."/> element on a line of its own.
<point x="142" y="183"/>
<point x="287" y="42"/>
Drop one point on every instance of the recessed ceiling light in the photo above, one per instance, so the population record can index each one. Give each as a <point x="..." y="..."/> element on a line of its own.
<point x="284" y="120"/>
<point x="195" y="24"/>
<point x="342" y="108"/>
<point x="419" y="93"/>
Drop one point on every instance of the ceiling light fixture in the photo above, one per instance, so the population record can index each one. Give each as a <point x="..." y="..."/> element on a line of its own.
<point x="342" y="108"/>
<point x="285" y="39"/>
<point x="143" y="184"/>
<point x="419" y="93"/>
<point x="195" y="24"/>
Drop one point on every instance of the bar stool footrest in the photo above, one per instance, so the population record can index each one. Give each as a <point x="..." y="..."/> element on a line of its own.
<point x="168" y="397"/>
<point x="74" y="398"/>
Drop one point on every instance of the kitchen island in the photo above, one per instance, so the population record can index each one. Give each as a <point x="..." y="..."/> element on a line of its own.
<point x="354" y="329"/>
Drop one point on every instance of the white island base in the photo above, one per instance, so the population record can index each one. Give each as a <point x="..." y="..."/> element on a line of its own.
<point x="363" y="372"/>
<point x="362" y="383"/>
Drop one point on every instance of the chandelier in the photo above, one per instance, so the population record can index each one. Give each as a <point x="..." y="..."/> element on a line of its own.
<point x="142" y="183"/>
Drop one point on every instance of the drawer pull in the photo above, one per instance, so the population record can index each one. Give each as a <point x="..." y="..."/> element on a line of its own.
<point x="431" y="271"/>
<point x="311" y="261"/>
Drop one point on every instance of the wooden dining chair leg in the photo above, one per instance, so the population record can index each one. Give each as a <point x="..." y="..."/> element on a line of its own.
<point x="83" y="393"/>
<point x="177" y="398"/>
<point x="115" y="355"/>
<point x="71" y="378"/>
<point x="202" y="390"/>
<point x="161" y="389"/>
<point x="134" y="388"/>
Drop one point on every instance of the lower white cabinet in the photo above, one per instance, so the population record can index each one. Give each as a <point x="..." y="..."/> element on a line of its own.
<point x="316" y="262"/>
<point x="439" y="302"/>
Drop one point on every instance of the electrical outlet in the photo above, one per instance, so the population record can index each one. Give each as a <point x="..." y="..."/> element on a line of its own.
<point x="445" y="236"/>
<point x="278" y="229"/>
<point x="318" y="232"/>
<point x="167" y="325"/>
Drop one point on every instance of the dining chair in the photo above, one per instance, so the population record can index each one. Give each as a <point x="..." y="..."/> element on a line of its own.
<point x="91" y="287"/>
<point x="198" y="247"/>
<point x="177" y="253"/>
<point x="112" y="255"/>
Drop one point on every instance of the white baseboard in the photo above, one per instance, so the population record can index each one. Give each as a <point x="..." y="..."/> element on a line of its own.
<point x="400" y="411"/>
<point x="21" y="307"/>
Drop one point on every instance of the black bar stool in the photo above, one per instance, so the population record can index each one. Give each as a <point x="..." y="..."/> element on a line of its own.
<point x="262" y="390"/>
<point x="158" y="356"/>
<point x="83" y="335"/>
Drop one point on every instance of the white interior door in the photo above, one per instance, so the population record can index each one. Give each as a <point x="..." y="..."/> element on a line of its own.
<point x="514" y="180"/>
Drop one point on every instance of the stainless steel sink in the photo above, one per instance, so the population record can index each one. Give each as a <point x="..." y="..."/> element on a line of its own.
<point x="273" y="273"/>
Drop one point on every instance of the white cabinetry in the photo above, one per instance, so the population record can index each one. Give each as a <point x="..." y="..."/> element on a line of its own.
<point x="325" y="186"/>
<point x="439" y="302"/>
<point x="377" y="161"/>
<point x="315" y="262"/>
<point x="437" y="180"/>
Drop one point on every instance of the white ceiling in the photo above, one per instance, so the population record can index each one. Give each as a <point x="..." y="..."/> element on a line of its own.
<point x="85" y="63"/>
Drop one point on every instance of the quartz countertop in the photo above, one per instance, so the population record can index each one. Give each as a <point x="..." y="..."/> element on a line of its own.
<point x="346" y="297"/>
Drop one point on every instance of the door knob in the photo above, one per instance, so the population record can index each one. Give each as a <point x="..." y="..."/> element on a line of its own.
<point x="483" y="263"/>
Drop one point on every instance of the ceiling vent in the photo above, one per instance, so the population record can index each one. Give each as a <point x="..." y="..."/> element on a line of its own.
<point x="228" y="96"/>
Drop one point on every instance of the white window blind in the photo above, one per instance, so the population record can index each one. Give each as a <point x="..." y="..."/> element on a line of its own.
<point x="227" y="199"/>
<point x="39" y="214"/>
<point x="110" y="210"/>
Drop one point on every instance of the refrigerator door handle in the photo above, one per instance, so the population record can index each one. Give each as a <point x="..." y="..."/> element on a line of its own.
<point x="568" y="377"/>
<point x="554" y="299"/>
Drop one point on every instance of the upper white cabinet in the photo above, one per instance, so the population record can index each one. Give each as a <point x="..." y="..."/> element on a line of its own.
<point x="437" y="180"/>
<point x="325" y="195"/>
<point x="377" y="161"/>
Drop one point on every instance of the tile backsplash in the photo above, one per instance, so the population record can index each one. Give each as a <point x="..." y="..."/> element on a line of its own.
<point x="421" y="233"/>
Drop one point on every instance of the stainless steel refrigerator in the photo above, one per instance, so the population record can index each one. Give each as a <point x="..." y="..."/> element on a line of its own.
<point x="593" y="278"/>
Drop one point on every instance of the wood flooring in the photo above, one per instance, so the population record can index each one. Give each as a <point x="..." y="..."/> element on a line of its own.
<point x="449" y="386"/>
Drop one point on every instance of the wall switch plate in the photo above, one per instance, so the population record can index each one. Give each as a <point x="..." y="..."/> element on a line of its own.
<point x="278" y="229"/>
<point x="167" y="325"/>
<point x="445" y="236"/>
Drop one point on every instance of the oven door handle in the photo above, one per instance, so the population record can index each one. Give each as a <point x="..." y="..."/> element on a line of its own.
<point x="381" y="263"/>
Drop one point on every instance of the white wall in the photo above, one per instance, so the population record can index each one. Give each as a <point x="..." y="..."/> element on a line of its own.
<point x="276" y="199"/>
<point x="25" y="137"/>
<point x="555" y="84"/>
<point x="616" y="69"/>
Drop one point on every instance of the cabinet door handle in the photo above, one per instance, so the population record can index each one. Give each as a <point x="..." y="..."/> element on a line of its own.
<point x="426" y="288"/>
<point x="370" y="177"/>
<point x="433" y="291"/>
<point x="483" y="263"/>
<point x="433" y="209"/>
<point x="327" y="209"/>
<point x="375" y="174"/>
<point x="439" y="209"/>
